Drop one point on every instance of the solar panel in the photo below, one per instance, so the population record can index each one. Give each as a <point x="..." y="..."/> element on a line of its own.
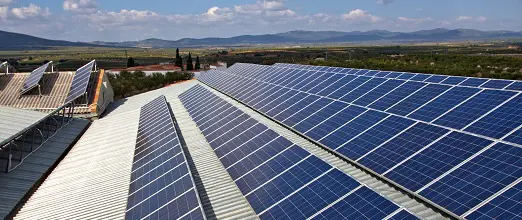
<point x="80" y="82"/>
<point x="161" y="184"/>
<point x="34" y="78"/>
<point x="430" y="138"/>
<point x="278" y="178"/>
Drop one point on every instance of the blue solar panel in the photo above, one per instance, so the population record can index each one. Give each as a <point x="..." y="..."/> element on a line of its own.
<point x="363" y="89"/>
<point x="378" y="92"/>
<point x="333" y="87"/>
<point x="80" y="82"/>
<point x="346" y="88"/>
<point x="443" y="103"/>
<point x="319" y="116"/>
<point x="297" y="106"/>
<point x="396" y="95"/>
<point x="508" y="205"/>
<point x="435" y="79"/>
<point x="393" y="75"/>
<point x="501" y="121"/>
<point x="352" y="129"/>
<point x="474" y="108"/>
<point x="496" y="84"/>
<point x="362" y="204"/>
<point x="279" y="179"/>
<point x="161" y="183"/>
<point x="317" y="79"/>
<point x="406" y="76"/>
<point x="293" y="98"/>
<point x="403" y="215"/>
<point x="401" y="147"/>
<point x="374" y="137"/>
<point x="336" y="121"/>
<point x="326" y="83"/>
<point x="306" y="112"/>
<point x="453" y="80"/>
<point x="515" y="86"/>
<point x="34" y="78"/>
<point x="478" y="179"/>
<point x="418" y="99"/>
<point x="322" y="192"/>
<point x="416" y="155"/>
<point x="436" y="160"/>
<point x="474" y="82"/>
<point x="420" y="77"/>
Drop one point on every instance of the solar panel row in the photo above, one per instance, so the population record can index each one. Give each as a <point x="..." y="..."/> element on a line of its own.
<point x="34" y="78"/>
<point x="80" y="82"/>
<point x="279" y="179"/>
<point x="161" y="185"/>
<point x="447" y="154"/>
<point x="487" y="112"/>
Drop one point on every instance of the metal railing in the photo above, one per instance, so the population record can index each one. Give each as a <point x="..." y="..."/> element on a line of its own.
<point x="21" y="145"/>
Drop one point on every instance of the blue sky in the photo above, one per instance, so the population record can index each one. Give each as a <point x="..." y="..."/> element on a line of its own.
<point x="120" y="20"/>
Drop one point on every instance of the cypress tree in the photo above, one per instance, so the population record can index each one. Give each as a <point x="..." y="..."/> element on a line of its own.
<point x="179" y="60"/>
<point x="130" y="62"/>
<point x="198" y="65"/>
<point x="190" y="65"/>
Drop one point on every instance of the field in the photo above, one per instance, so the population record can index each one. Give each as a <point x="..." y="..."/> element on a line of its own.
<point x="495" y="60"/>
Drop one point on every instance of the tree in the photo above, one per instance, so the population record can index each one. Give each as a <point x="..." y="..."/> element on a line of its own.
<point x="130" y="62"/>
<point x="179" y="60"/>
<point x="198" y="65"/>
<point x="181" y="63"/>
<point x="190" y="64"/>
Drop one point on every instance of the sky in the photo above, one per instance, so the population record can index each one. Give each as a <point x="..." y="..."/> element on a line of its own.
<point x="130" y="20"/>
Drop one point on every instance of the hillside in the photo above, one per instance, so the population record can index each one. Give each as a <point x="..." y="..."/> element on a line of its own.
<point x="15" y="41"/>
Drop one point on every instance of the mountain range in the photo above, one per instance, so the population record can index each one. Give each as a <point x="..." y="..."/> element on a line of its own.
<point x="13" y="41"/>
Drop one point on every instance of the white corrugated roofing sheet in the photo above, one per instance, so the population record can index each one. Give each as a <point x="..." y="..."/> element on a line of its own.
<point x="14" y="120"/>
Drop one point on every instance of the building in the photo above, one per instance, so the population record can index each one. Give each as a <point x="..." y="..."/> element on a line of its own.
<point x="296" y="142"/>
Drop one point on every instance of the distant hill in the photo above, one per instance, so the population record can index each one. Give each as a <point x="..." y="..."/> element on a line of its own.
<point x="12" y="41"/>
<point x="15" y="41"/>
<point x="294" y="37"/>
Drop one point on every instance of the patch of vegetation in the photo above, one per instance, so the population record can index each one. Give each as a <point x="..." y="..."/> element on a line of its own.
<point x="128" y="83"/>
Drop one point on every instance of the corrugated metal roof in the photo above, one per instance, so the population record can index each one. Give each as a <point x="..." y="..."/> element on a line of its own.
<point x="92" y="181"/>
<point x="14" y="120"/>
<point x="16" y="184"/>
<point x="54" y="91"/>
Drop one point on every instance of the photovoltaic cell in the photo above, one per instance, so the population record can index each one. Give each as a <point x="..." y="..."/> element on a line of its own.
<point x="474" y="82"/>
<point x="403" y="215"/>
<point x="279" y="179"/>
<point x="474" y="108"/>
<point x="496" y="84"/>
<point x="161" y="183"/>
<point x="378" y="92"/>
<point x="435" y="79"/>
<point x="418" y="99"/>
<point x="436" y="160"/>
<point x="500" y="122"/>
<point x="396" y="95"/>
<point x="505" y="206"/>
<point x="34" y="78"/>
<point x="478" y="179"/>
<point x="443" y="103"/>
<point x="80" y="82"/>
<point x="401" y="147"/>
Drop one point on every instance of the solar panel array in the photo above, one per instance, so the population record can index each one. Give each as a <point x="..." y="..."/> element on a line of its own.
<point x="454" y="142"/>
<point x="80" y="82"/>
<point x="278" y="178"/>
<point x="34" y="78"/>
<point x="161" y="185"/>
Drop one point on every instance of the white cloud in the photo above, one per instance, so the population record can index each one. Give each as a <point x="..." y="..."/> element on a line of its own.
<point x="80" y="6"/>
<point x="4" y="12"/>
<point x="464" y="18"/>
<point x="414" y="20"/>
<point x="385" y="2"/>
<point x="31" y="11"/>
<point x="481" y="19"/>
<point x="5" y="2"/>
<point x="359" y="15"/>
